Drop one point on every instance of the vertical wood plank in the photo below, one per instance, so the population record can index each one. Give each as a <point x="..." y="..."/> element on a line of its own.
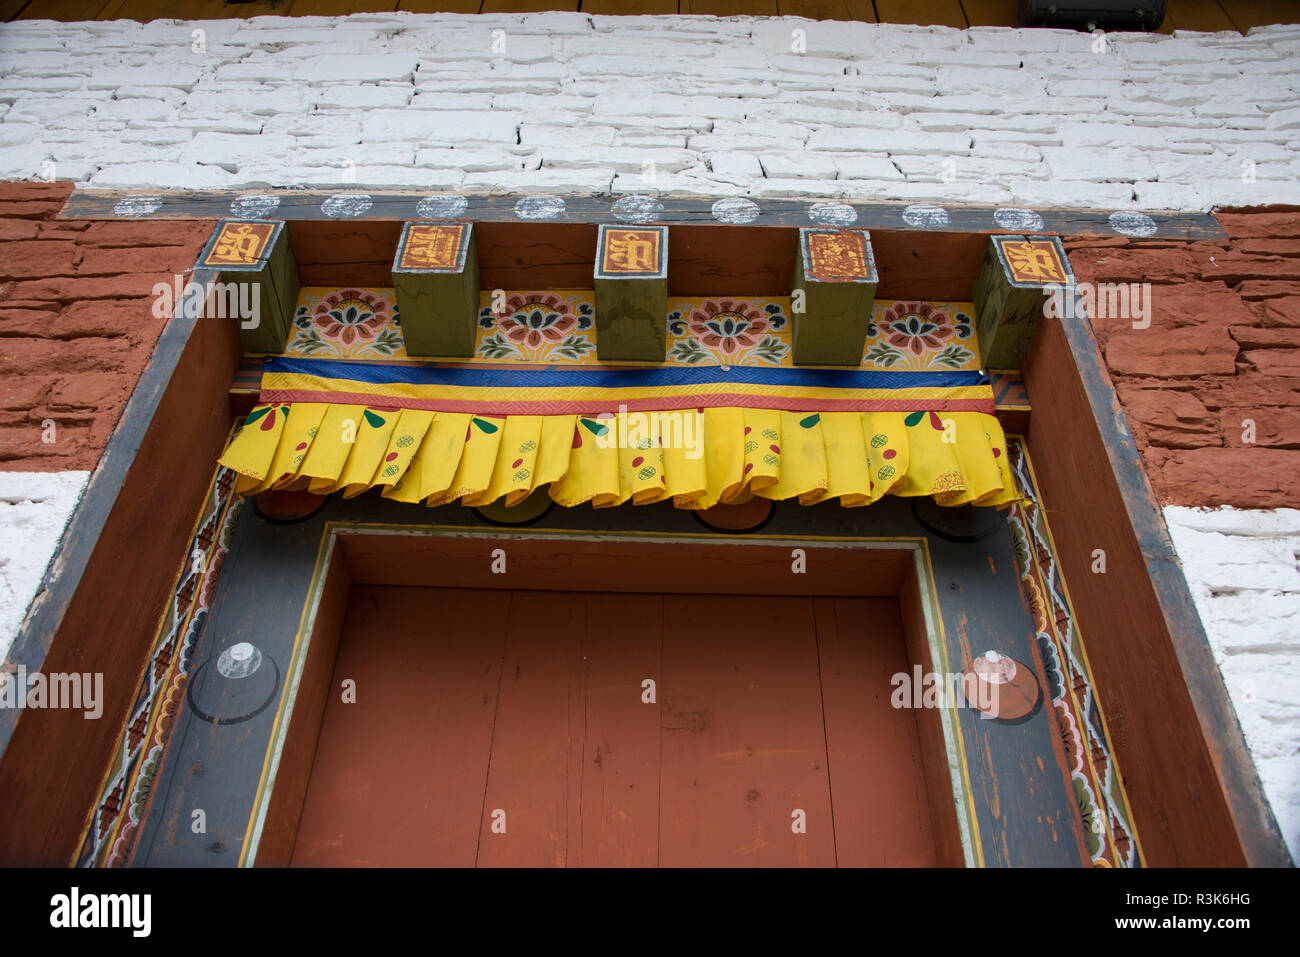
<point x="828" y="9"/>
<point x="630" y="7"/>
<point x="425" y="699"/>
<point x="877" y="779"/>
<point x="743" y="738"/>
<point x="620" y="771"/>
<point x="1204" y="15"/>
<point x="65" y="10"/>
<point x="439" y="6"/>
<point x="991" y="13"/>
<point x="942" y="13"/>
<point x="527" y="6"/>
<point x="729" y="8"/>
<point x="537" y="744"/>
<point x="1257" y="13"/>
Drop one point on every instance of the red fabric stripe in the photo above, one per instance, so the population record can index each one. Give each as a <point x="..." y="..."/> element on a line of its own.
<point x="586" y="407"/>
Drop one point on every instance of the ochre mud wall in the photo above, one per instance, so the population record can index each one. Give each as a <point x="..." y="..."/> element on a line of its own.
<point x="1223" y="348"/>
<point x="76" y="322"/>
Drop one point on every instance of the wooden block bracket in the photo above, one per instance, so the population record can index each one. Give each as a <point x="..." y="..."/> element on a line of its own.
<point x="1017" y="273"/>
<point x="256" y="254"/>
<point x="435" y="280"/>
<point x="835" y="283"/>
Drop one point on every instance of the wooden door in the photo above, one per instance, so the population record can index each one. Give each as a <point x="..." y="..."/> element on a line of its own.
<point x="518" y="728"/>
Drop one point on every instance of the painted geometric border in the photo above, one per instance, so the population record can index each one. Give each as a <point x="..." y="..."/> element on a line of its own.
<point x="110" y="835"/>
<point x="1110" y="836"/>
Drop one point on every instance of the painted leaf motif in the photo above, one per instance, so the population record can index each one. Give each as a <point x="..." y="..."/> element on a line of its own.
<point x="256" y="414"/>
<point x="913" y="418"/>
<point x="484" y="424"/>
<point x="372" y="420"/>
<point x="936" y="423"/>
<point x="811" y="420"/>
<point x="595" y="428"/>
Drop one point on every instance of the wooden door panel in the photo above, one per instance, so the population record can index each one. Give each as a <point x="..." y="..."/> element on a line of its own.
<point x="530" y="703"/>
<point x="620" y="777"/>
<point x="882" y="815"/>
<point x="398" y="776"/>
<point x="743" y="744"/>
<point x="536" y="743"/>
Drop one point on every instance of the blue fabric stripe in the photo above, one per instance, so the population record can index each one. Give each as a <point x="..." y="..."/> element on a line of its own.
<point x="642" y="378"/>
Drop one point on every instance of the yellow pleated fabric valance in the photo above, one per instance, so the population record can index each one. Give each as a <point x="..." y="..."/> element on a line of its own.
<point x="725" y="455"/>
<point x="700" y="437"/>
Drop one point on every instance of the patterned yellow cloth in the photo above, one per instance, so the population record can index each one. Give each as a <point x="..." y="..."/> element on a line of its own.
<point x="696" y="458"/>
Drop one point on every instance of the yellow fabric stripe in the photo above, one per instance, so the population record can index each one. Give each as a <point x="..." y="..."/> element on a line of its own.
<point x="724" y="455"/>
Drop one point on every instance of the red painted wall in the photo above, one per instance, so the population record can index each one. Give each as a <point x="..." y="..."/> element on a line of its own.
<point x="76" y="321"/>
<point x="1223" y="347"/>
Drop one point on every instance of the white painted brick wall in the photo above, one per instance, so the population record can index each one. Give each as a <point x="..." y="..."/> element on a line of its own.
<point x="747" y="107"/>
<point x="34" y="509"/>
<point x="1243" y="568"/>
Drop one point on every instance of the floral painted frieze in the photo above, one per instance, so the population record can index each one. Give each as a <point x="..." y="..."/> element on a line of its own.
<point x="724" y="331"/>
<point x="912" y="336"/>
<point x="537" y="327"/>
<point x="559" y="326"/>
<point x="351" y="323"/>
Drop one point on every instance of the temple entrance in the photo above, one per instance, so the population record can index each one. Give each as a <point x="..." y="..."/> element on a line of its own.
<point x="565" y="728"/>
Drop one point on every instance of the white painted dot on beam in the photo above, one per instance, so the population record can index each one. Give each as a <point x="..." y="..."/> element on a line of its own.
<point x="239" y="660"/>
<point x="253" y="207"/>
<point x="637" y="209"/>
<point x="926" y="217"/>
<point x="833" y="214"/>
<point x="539" y="207"/>
<point x="1132" y="224"/>
<point x="1017" y="220"/>
<point x="735" y="210"/>
<point x="136" y="206"/>
<point x="346" y="205"/>
<point x="441" y="207"/>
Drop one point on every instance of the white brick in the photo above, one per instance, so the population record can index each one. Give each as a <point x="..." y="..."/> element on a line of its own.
<point x="430" y="100"/>
<point x="170" y="175"/>
<point x="1052" y="192"/>
<point x="1116" y="165"/>
<point x="736" y="168"/>
<point x="1175" y="196"/>
<point x="1111" y="134"/>
<point x="543" y="180"/>
<point x="339" y="97"/>
<point x="1283" y="120"/>
<point x="867" y="167"/>
<point x="621" y="159"/>
<point x="438" y="126"/>
<point x="533" y="134"/>
<point x="181" y="77"/>
<point x="607" y="105"/>
<point x="859" y="141"/>
<point x="801" y="165"/>
<point x="362" y="68"/>
<point x="229" y="149"/>
<point x="472" y="160"/>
